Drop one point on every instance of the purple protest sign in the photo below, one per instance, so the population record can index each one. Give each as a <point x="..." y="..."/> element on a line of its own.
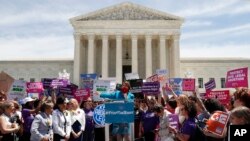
<point x="237" y="78"/>
<point x="59" y="82"/>
<point x="174" y="121"/>
<point x="188" y="84"/>
<point x="151" y="88"/>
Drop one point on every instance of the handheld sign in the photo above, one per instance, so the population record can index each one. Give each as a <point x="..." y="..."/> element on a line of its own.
<point x="217" y="122"/>
<point x="17" y="91"/>
<point x="34" y="87"/>
<point x="99" y="115"/>
<point x="223" y="96"/>
<point x="82" y="94"/>
<point x="188" y="84"/>
<point x="237" y="78"/>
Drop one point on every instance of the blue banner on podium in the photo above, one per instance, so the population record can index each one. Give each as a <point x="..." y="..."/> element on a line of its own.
<point x="119" y="112"/>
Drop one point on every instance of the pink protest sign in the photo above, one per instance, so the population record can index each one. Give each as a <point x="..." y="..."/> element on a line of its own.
<point x="237" y="78"/>
<point x="82" y="94"/>
<point x="34" y="87"/>
<point x="222" y="96"/>
<point x="188" y="84"/>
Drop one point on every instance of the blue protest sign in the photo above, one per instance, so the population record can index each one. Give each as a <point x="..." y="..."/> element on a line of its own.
<point x="99" y="115"/>
<point x="119" y="112"/>
<point x="87" y="80"/>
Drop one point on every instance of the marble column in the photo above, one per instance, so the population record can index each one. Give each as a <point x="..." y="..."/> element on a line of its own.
<point x="119" y="58"/>
<point x="77" y="60"/>
<point x="91" y="53"/>
<point x="105" y="53"/>
<point x="175" y="51"/>
<point x="134" y="53"/>
<point x="162" y="53"/>
<point x="148" y="55"/>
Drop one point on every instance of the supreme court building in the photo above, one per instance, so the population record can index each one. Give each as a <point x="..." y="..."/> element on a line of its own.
<point x="126" y="38"/>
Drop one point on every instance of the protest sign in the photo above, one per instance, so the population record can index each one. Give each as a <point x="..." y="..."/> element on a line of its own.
<point x="210" y="85"/>
<point x="237" y="78"/>
<point x="151" y="88"/>
<point x="47" y="82"/>
<point x="176" y="85"/>
<point x="188" y="84"/>
<point x="82" y="94"/>
<point x="162" y="76"/>
<point x="87" y="81"/>
<point x="99" y="87"/>
<point x="174" y="121"/>
<point x="153" y="78"/>
<point x="99" y="115"/>
<point x="119" y="112"/>
<point x="68" y="91"/>
<point x="130" y="76"/>
<point x="17" y="90"/>
<point x="223" y="96"/>
<point x="5" y="82"/>
<point x="136" y="85"/>
<point x="59" y="83"/>
<point x="217" y="122"/>
<point x="34" y="87"/>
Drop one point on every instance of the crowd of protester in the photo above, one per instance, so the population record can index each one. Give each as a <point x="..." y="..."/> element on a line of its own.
<point x="57" y="118"/>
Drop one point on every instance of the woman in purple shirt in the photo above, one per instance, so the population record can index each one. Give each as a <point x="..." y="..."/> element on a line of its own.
<point x="188" y="127"/>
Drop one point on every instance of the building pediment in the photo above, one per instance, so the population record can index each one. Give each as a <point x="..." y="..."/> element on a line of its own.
<point x="126" y="11"/>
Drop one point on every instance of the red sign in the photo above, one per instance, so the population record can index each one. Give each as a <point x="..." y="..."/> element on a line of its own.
<point x="82" y="94"/>
<point x="34" y="87"/>
<point x="223" y="96"/>
<point x="217" y="122"/>
<point x="237" y="78"/>
<point x="188" y="84"/>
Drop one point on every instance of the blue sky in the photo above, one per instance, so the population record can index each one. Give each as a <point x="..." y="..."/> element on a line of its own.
<point x="41" y="29"/>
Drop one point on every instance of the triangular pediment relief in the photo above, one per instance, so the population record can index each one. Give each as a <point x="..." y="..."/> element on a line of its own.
<point x="126" y="11"/>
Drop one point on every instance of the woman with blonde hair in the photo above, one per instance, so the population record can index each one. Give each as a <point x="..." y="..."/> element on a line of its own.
<point x="8" y="127"/>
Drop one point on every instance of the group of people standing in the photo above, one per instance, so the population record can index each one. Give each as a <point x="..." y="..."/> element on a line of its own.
<point x="46" y="119"/>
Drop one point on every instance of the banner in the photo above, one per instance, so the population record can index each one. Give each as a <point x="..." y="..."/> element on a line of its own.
<point x="188" y="84"/>
<point x="34" y="87"/>
<point x="82" y="94"/>
<point x="217" y="122"/>
<point x="223" y="96"/>
<point x="176" y="85"/>
<point x="130" y="76"/>
<point x="119" y="112"/>
<point x="99" y="87"/>
<point x="151" y="88"/>
<point x="210" y="85"/>
<point x="87" y="81"/>
<point x="136" y="85"/>
<point x="17" y="90"/>
<point x="99" y="115"/>
<point x="174" y="121"/>
<point x="237" y="78"/>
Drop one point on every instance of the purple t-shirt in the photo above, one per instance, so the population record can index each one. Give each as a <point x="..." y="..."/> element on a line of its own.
<point x="28" y="119"/>
<point x="89" y="119"/>
<point x="150" y="121"/>
<point x="188" y="127"/>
